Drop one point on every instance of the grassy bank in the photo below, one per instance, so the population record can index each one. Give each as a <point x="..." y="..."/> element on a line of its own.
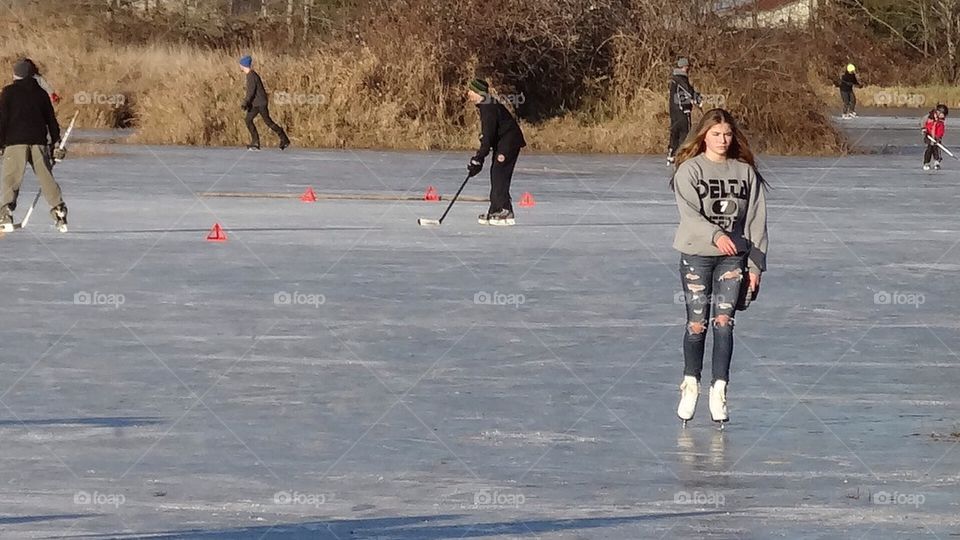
<point x="399" y="83"/>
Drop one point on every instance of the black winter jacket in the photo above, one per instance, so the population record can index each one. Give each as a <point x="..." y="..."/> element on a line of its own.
<point x="26" y="115"/>
<point x="682" y="95"/>
<point x="848" y="81"/>
<point x="500" y="132"/>
<point x="256" y="92"/>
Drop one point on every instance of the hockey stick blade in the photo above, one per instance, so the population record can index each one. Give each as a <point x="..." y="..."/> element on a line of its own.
<point x="434" y="222"/>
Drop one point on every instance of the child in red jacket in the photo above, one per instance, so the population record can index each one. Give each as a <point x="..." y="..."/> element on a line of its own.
<point x="933" y="129"/>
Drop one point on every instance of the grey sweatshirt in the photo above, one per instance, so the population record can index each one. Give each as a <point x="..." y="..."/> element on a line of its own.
<point x="721" y="198"/>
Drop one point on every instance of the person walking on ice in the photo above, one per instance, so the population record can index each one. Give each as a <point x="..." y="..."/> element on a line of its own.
<point x="682" y="99"/>
<point x="29" y="133"/>
<point x="722" y="235"/>
<point x="54" y="97"/>
<point x="256" y="103"/>
<point x="934" y="128"/>
<point x="501" y="133"/>
<point x="847" y="83"/>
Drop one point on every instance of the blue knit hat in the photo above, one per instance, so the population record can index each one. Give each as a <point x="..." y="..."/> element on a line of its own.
<point x="246" y="61"/>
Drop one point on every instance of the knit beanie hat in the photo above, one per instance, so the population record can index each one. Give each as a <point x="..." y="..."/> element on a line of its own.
<point x="683" y="62"/>
<point x="23" y="69"/>
<point x="246" y="61"/>
<point x="479" y="86"/>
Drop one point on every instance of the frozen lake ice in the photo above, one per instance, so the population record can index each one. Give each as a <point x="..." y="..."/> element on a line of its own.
<point x="334" y="371"/>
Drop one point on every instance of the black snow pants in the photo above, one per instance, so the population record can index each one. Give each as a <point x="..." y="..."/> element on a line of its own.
<point x="849" y="101"/>
<point x="679" y="128"/>
<point x="265" y="114"/>
<point x="501" y="174"/>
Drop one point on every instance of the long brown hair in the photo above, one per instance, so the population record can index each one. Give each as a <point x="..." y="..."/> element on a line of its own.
<point x="739" y="148"/>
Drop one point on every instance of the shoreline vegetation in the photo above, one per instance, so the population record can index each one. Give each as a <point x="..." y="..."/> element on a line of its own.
<point x="391" y="74"/>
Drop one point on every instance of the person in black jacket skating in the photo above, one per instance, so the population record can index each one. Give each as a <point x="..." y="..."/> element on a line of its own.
<point x="29" y="133"/>
<point x="501" y="133"/>
<point x="682" y="99"/>
<point x="255" y="103"/>
<point x="847" y="83"/>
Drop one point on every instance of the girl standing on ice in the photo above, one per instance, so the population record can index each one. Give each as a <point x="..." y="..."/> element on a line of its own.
<point x="722" y="235"/>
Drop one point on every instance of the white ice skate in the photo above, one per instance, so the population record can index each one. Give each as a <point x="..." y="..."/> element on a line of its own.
<point x="718" y="402"/>
<point x="59" y="214"/>
<point x="503" y="218"/>
<point x="689" y="393"/>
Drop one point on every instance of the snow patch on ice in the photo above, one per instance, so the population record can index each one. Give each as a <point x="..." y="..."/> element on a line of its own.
<point x="541" y="438"/>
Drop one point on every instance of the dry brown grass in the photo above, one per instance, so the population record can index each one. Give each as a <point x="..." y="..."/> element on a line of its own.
<point x="405" y="92"/>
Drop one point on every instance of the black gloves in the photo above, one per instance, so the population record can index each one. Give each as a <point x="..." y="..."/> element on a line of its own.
<point x="475" y="166"/>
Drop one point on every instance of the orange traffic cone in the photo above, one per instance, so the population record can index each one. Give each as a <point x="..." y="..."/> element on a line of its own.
<point x="431" y="194"/>
<point x="526" y="200"/>
<point x="309" y="195"/>
<point x="217" y="234"/>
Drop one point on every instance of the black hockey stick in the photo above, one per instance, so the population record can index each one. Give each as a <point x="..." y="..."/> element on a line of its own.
<point x="423" y="222"/>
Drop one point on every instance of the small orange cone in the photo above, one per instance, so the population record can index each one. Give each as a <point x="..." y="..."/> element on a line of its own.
<point x="217" y="234"/>
<point x="527" y="201"/>
<point x="309" y="195"/>
<point x="431" y="194"/>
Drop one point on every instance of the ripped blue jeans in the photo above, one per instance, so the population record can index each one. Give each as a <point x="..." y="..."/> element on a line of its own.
<point x="710" y="284"/>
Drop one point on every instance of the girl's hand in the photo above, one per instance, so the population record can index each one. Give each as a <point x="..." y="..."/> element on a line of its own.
<point x="754" y="283"/>
<point x="726" y="245"/>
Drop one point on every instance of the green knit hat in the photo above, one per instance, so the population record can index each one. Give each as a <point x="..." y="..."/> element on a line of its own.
<point x="479" y="86"/>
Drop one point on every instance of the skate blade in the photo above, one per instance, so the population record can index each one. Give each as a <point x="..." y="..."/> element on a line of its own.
<point x="503" y="222"/>
<point x="6" y="227"/>
<point x="61" y="228"/>
<point x="424" y="222"/>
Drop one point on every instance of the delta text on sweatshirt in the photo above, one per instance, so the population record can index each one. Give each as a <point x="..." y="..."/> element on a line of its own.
<point x="721" y="198"/>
